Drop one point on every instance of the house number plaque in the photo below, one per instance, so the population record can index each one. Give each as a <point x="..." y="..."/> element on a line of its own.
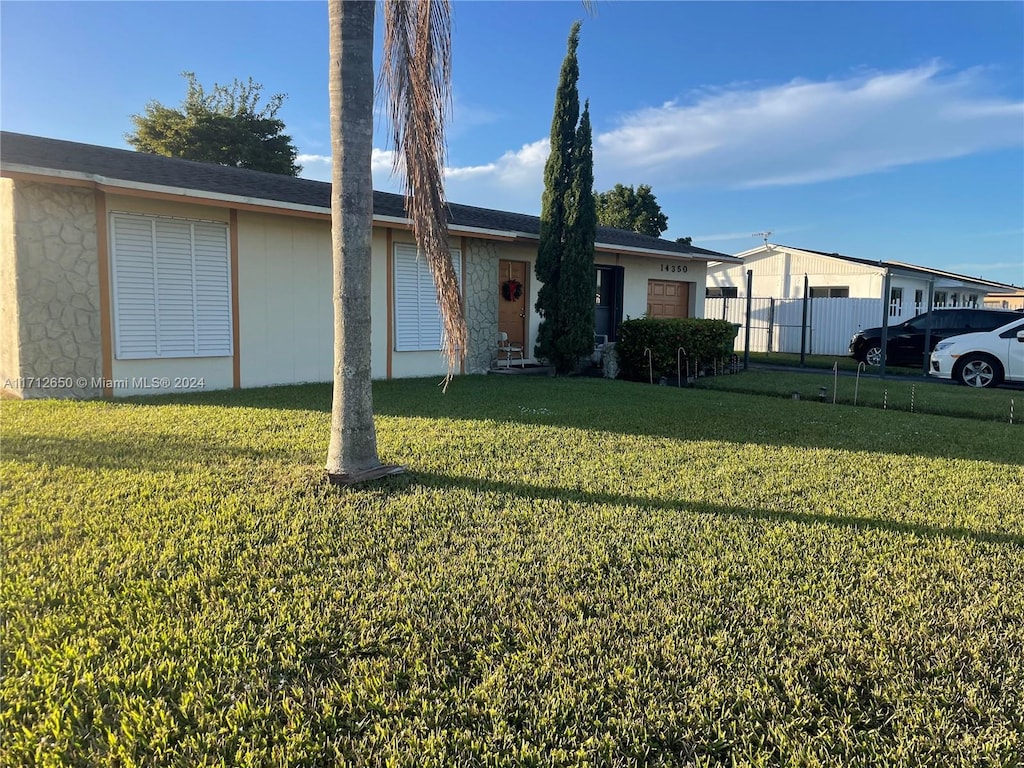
<point x="673" y="267"/>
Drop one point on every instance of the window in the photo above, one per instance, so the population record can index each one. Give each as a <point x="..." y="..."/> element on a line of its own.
<point x="172" y="287"/>
<point x="918" y="300"/>
<point x="830" y="292"/>
<point x="940" y="299"/>
<point x="725" y="291"/>
<point x="949" y="321"/>
<point x="418" y="324"/>
<point x="602" y="295"/>
<point x="895" y="302"/>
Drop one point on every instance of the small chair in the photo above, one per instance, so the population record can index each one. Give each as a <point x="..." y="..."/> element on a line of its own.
<point x="510" y="350"/>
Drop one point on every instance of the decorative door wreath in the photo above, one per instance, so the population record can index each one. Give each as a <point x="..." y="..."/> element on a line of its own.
<point x="511" y="290"/>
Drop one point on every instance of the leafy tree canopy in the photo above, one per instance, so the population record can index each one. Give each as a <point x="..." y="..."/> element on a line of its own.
<point x="636" y="210"/>
<point x="225" y="125"/>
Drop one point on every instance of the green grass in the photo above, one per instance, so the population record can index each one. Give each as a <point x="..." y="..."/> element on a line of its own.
<point x="930" y="396"/>
<point x="573" y="572"/>
<point x="846" y="363"/>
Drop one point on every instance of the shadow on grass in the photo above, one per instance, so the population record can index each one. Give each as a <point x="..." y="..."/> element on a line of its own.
<point x="856" y="522"/>
<point x="160" y="454"/>
<point x="148" y="453"/>
<point x="630" y="408"/>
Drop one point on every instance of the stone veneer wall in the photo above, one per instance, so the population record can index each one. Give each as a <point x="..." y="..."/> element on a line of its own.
<point x="56" y="271"/>
<point x="481" y="282"/>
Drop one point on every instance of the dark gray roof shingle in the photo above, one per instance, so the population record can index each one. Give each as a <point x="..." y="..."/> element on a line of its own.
<point x="141" y="168"/>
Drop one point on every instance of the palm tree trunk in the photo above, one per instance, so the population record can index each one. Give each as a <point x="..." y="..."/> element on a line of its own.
<point x="352" y="455"/>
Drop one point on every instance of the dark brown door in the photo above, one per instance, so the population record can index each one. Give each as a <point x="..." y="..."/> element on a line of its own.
<point x="668" y="298"/>
<point x="512" y="312"/>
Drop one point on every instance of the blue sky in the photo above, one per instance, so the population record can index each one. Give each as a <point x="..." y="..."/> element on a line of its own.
<point x="878" y="130"/>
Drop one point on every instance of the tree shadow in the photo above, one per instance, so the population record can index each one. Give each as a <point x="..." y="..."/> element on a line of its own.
<point x="135" y="451"/>
<point x="843" y="522"/>
<point x="629" y="408"/>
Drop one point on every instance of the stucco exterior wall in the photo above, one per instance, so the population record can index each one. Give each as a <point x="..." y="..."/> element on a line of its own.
<point x="285" y="310"/>
<point x="10" y="366"/>
<point x="174" y="209"/>
<point x="53" y="322"/>
<point x="637" y="271"/>
<point x="171" y="374"/>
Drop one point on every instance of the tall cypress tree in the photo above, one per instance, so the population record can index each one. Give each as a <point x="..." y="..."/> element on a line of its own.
<point x="568" y="225"/>
<point x="578" y="280"/>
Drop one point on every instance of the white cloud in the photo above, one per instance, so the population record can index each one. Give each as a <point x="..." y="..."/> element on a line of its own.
<point x="514" y="181"/>
<point x="742" y="136"/>
<point x="1000" y="271"/>
<point x="315" y="167"/>
<point x="318" y="168"/>
<point x="803" y="132"/>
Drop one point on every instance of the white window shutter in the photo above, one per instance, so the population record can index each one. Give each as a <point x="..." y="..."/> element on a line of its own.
<point x="172" y="287"/>
<point x="213" y="290"/>
<point x="418" y="325"/>
<point x="134" y="287"/>
<point x="407" y="299"/>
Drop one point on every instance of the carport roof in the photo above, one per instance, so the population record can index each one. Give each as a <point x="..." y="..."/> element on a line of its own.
<point x="55" y="157"/>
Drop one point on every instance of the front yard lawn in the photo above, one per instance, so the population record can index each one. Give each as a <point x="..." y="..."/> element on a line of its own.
<point x="573" y="572"/>
<point x="914" y="394"/>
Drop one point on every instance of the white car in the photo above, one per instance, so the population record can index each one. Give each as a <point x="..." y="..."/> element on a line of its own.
<point x="984" y="359"/>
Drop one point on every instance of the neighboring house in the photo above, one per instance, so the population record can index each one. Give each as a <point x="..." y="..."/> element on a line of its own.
<point x="123" y="272"/>
<point x="1006" y="300"/>
<point x="847" y="295"/>
<point x="779" y="271"/>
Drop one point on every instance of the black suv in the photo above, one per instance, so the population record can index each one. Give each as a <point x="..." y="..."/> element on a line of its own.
<point x="906" y="340"/>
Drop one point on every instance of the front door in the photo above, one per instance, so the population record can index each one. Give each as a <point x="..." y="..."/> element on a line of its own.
<point x="668" y="298"/>
<point x="512" y="301"/>
<point x="608" y="305"/>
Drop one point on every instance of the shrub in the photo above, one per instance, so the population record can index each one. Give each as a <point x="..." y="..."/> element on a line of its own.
<point x="704" y="342"/>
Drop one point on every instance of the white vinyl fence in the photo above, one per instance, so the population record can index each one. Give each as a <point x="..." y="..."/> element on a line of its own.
<point x="776" y="325"/>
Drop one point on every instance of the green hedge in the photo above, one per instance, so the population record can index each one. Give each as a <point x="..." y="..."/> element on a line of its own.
<point x="705" y="342"/>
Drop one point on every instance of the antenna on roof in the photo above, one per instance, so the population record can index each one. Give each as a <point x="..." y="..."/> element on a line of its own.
<point x="764" y="236"/>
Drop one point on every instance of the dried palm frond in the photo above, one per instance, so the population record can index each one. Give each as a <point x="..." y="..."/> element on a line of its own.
<point x="416" y="76"/>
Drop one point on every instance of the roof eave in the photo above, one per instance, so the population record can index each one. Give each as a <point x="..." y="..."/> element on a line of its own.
<point x="107" y="183"/>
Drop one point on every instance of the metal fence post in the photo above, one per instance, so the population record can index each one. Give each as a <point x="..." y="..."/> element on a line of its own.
<point x="750" y="300"/>
<point x="886" y="300"/>
<point x="928" y="329"/>
<point x="803" y="325"/>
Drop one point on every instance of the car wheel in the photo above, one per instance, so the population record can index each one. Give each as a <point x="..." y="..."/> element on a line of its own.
<point x="873" y="355"/>
<point x="979" y="370"/>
